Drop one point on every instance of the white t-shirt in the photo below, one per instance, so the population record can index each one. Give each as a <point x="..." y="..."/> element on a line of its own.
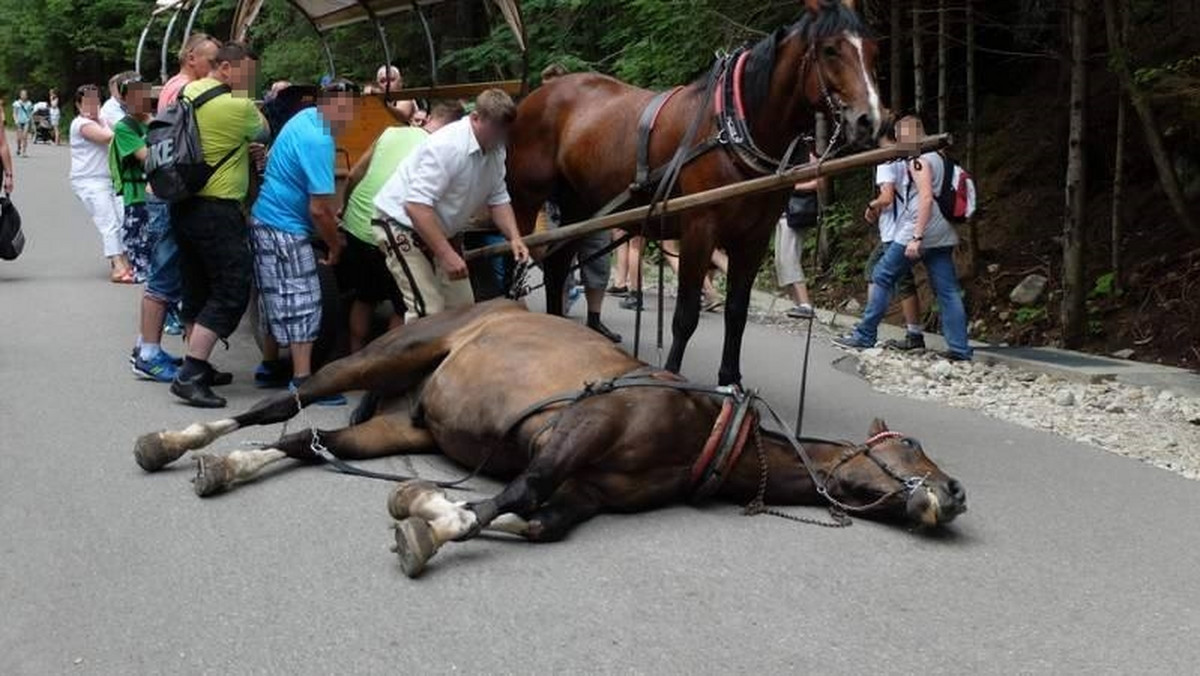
<point x="938" y="231"/>
<point x="89" y="161"/>
<point x="896" y="174"/>
<point x="450" y="173"/>
<point x="112" y="112"/>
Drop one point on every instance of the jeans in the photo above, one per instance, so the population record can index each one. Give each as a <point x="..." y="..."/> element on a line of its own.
<point x="164" y="283"/>
<point x="939" y="263"/>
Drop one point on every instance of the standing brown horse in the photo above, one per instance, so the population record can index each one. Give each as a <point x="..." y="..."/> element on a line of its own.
<point x="576" y="140"/>
<point x="578" y="425"/>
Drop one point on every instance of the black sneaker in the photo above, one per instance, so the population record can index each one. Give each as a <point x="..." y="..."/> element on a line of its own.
<point x="912" y="341"/>
<point x="953" y="356"/>
<point x="195" y="391"/>
<point x="603" y="330"/>
<point x="218" y="378"/>
<point x="632" y="301"/>
<point x="615" y="290"/>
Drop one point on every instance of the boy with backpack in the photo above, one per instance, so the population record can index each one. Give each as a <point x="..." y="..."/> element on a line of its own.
<point x="200" y="161"/>
<point x="126" y="157"/>
<point x="923" y="234"/>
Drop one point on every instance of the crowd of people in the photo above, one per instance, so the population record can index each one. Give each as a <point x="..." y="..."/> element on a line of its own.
<point x="394" y="234"/>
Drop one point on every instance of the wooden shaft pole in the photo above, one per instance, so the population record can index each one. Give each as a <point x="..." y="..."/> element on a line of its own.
<point x="678" y="205"/>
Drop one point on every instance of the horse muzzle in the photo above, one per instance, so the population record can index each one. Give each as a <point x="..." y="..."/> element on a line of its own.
<point x="932" y="506"/>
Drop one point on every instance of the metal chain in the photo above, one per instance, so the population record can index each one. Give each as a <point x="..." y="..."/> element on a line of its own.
<point x="757" y="506"/>
<point x="315" y="445"/>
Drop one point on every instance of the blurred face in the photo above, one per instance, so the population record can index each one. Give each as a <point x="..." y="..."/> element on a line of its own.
<point x="137" y="99"/>
<point x="491" y="134"/>
<point x="89" y="105"/>
<point x="24" y="95"/>
<point x="389" y="78"/>
<point x="909" y="130"/>
<point x="240" y="75"/>
<point x="339" y="110"/>
<point x="419" y="118"/>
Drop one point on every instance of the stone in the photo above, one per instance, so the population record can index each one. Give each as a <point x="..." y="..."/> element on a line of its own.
<point x="1165" y="396"/>
<point x="1029" y="291"/>
<point x="1123" y="354"/>
<point x="993" y="268"/>
<point x="1005" y="315"/>
<point x="1114" y="408"/>
<point x="940" y="369"/>
<point x="1064" y="398"/>
<point x="853" y="306"/>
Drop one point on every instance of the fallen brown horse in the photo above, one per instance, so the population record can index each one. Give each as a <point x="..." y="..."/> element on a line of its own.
<point x="578" y="140"/>
<point x="577" y="426"/>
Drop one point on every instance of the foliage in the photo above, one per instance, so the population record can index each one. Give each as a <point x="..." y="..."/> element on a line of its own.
<point x="1105" y="286"/>
<point x="1030" y="315"/>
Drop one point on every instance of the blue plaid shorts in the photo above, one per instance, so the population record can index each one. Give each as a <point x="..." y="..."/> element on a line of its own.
<point x="289" y="291"/>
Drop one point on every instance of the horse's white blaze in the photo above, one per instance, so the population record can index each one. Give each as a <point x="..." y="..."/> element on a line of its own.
<point x="872" y="92"/>
<point x="509" y="523"/>
<point x="448" y="519"/>
<point x="246" y="464"/>
<point x="199" y="435"/>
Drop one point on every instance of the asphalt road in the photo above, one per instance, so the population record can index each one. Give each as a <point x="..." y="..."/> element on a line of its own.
<point x="1070" y="560"/>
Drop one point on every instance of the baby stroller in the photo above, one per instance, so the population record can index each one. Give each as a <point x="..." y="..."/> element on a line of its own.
<point x="43" y="131"/>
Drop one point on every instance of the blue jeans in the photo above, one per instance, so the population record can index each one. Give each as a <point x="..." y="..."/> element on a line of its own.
<point x="164" y="282"/>
<point x="939" y="263"/>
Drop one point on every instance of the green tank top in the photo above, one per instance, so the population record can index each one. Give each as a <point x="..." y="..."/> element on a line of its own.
<point x="393" y="145"/>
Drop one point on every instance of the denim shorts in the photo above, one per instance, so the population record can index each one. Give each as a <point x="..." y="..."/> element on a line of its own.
<point x="164" y="282"/>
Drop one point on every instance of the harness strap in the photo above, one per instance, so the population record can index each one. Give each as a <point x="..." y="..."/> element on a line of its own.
<point x="645" y="125"/>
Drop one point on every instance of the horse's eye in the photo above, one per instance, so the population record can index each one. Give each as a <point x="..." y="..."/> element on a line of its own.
<point x="911" y="443"/>
<point x="829" y="52"/>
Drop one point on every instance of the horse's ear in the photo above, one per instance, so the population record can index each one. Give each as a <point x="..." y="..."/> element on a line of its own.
<point x="878" y="426"/>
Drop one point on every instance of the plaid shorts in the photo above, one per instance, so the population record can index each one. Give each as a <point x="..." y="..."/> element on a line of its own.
<point x="289" y="291"/>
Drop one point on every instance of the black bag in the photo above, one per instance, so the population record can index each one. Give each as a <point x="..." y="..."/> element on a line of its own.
<point x="175" y="166"/>
<point x="12" y="240"/>
<point x="803" y="210"/>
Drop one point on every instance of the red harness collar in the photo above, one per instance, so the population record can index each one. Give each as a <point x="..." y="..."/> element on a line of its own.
<point x="723" y="448"/>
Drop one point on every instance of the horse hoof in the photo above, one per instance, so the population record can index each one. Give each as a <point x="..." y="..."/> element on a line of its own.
<point x="152" y="454"/>
<point x="401" y="499"/>
<point x="211" y="476"/>
<point x="414" y="545"/>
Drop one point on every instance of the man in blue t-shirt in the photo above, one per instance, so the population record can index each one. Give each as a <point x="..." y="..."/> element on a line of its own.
<point x="296" y="207"/>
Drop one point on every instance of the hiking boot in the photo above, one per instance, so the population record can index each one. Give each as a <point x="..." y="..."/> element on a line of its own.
<point x="603" y="330"/>
<point x="953" y="356"/>
<point x="218" y="378"/>
<point x="160" y="368"/>
<point x="328" y="400"/>
<point x="195" y="391"/>
<point x="912" y="341"/>
<point x="851" y="341"/>
<point x="632" y="301"/>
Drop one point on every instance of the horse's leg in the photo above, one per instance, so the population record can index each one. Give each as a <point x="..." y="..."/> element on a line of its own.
<point x="554" y="269"/>
<point x="430" y="519"/>
<point x="743" y="268"/>
<point x="392" y="363"/>
<point x="381" y="436"/>
<point x="695" y="251"/>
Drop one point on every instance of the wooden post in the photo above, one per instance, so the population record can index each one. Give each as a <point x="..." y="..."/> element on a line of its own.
<point x="941" y="46"/>
<point x="918" y="60"/>
<point x="972" y="228"/>
<point x="897" y="58"/>
<point x="685" y="203"/>
<point x="822" y="144"/>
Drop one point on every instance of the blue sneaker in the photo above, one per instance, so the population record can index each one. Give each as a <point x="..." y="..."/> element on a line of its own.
<point x="161" y="368"/>
<point x="331" y="400"/>
<point x="133" y="357"/>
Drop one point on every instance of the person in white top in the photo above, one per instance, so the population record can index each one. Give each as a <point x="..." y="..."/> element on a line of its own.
<point x="113" y="110"/>
<point x="887" y="210"/>
<point x="91" y="181"/>
<point x="55" y="116"/>
<point x="430" y="199"/>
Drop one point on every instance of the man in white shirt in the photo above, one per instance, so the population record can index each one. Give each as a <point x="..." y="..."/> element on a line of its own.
<point x="430" y="199"/>
<point x="888" y="209"/>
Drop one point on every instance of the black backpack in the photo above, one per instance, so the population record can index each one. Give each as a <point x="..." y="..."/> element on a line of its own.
<point x="12" y="240"/>
<point x="175" y="166"/>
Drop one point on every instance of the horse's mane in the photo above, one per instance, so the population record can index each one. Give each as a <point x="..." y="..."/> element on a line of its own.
<point x="834" y="18"/>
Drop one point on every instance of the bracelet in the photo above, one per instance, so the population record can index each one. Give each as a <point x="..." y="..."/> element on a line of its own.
<point x="918" y="239"/>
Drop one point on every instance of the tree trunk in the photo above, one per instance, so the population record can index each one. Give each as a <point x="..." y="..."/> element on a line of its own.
<point x="1118" y="189"/>
<point x="941" y="47"/>
<point x="972" y="230"/>
<point x="1158" y="152"/>
<point x="918" y="60"/>
<point x="1073" y="311"/>
<point x="897" y="58"/>
<point x="821" y="142"/>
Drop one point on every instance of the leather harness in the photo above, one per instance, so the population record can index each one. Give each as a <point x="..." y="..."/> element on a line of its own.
<point x="725" y="442"/>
